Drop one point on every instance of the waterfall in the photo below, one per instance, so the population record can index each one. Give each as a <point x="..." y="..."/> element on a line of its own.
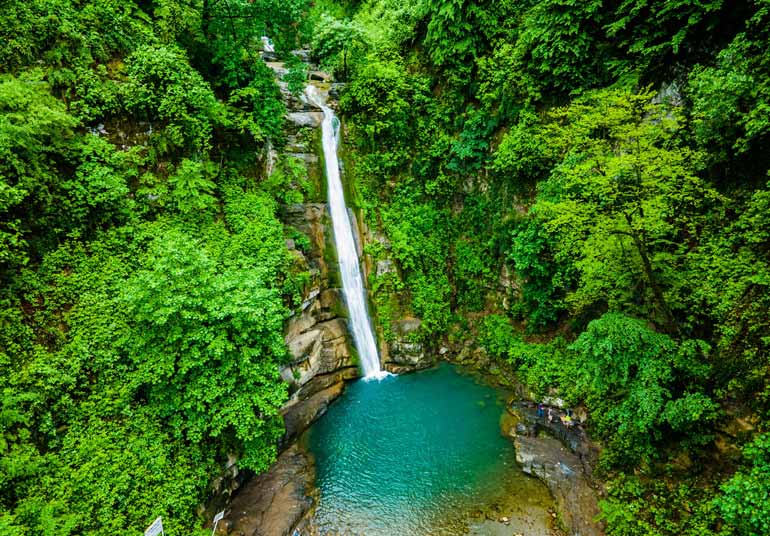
<point x="352" y="282"/>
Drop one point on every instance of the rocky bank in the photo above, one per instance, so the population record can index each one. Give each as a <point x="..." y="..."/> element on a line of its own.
<point x="563" y="458"/>
<point x="273" y="503"/>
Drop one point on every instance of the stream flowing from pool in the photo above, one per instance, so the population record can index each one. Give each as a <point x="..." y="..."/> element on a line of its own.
<point x="420" y="454"/>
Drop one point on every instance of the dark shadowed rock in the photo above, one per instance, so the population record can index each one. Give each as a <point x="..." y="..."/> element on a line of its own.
<point x="319" y="76"/>
<point x="269" y="56"/>
<point x="298" y="416"/>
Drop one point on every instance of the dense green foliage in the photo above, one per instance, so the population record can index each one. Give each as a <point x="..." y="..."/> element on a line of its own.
<point x="745" y="503"/>
<point x="145" y="277"/>
<point x="583" y="186"/>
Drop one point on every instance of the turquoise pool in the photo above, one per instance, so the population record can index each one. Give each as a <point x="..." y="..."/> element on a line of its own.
<point x="417" y="454"/>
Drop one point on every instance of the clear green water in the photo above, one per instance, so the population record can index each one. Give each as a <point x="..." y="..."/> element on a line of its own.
<point x="415" y="454"/>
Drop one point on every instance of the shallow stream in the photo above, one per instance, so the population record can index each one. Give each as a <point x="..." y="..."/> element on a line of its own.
<point x="422" y="454"/>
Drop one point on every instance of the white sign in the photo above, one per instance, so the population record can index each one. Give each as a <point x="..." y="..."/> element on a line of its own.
<point x="155" y="529"/>
<point x="217" y="519"/>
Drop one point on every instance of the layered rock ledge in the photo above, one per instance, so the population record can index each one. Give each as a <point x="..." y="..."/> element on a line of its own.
<point x="563" y="459"/>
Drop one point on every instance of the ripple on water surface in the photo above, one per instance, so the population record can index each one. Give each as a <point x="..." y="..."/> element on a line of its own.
<point x="416" y="454"/>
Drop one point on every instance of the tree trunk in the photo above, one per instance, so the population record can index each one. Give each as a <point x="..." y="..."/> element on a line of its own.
<point x="640" y="241"/>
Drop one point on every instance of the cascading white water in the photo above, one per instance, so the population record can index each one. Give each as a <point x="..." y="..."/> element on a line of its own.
<point x="352" y="282"/>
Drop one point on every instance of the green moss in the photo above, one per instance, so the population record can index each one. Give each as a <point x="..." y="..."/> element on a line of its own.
<point x="330" y="254"/>
<point x="317" y="175"/>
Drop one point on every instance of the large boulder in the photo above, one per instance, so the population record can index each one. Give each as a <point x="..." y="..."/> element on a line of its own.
<point x="299" y="415"/>
<point x="305" y="119"/>
<point x="318" y="340"/>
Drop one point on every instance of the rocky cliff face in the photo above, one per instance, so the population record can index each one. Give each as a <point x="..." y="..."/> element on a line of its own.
<point x="322" y="352"/>
<point x="321" y="347"/>
<point x="317" y="335"/>
<point x="400" y="349"/>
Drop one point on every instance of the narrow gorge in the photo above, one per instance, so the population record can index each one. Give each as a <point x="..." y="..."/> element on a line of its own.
<point x="435" y="441"/>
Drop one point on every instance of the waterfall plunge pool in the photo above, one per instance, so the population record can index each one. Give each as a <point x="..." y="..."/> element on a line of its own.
<point x="422" y="454"/>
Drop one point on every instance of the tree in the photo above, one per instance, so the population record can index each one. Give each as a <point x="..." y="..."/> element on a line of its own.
<point x="141" y="303"/>
<point x="206" y="341"/>
<point x="525" y="154"/>
<point x="34" y="128"/>
<point x="459" y="31"/>
<point x="163" y="85"/>
<point x="624" y="202"/>
<point x="561" y="45"/>
<point x="452" y="36"/>
<point x="335" y="40"/>
<point x="192" y="186"/>
<point x="232" y="32"/>
<point x="257" y="108"/>
<point x="745" y="504"/>
<point x="731" y="100"/>
<point x="379" y="100"/>
<point x="631" y="377"/>
<point x="657" y="34"/>
<point x="732" y="294"/>
<point x="546" y="279"/>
